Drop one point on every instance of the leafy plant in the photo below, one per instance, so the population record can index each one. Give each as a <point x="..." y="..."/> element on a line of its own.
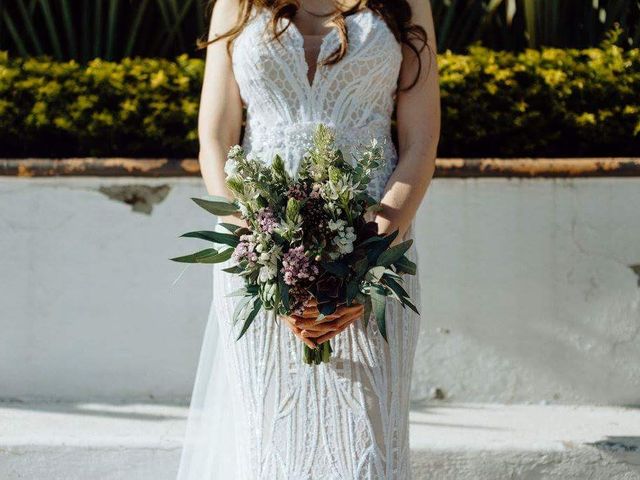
<point x="113" y="29"/>
<point x="109" y="29"/>
<point x="518" y="24"/>
<point x="547" y="102"/>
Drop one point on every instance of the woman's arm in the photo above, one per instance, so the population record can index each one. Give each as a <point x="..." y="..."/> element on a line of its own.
<point x="220" y="116"/>
<point x="418" y="117"/>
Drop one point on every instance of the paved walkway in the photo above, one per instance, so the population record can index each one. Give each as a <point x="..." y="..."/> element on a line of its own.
<point x="450" y="441"/>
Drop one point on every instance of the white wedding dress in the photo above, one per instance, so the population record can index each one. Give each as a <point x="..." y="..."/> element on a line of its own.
<point x="258" y="412"/>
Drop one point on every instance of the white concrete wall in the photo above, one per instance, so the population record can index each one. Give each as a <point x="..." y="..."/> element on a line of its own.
<point x="528" y="291"/>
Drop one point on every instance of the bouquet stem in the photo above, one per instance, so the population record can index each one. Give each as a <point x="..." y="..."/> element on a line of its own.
<point x="316" y="356"/>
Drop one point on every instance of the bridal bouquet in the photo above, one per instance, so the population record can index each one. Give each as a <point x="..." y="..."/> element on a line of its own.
<point x="307" y="237"/>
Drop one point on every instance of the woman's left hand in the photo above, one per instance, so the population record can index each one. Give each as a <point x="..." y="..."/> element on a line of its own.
<point x="309" y="329"/>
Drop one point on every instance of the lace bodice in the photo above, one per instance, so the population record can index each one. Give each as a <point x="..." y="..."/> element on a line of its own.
<point x="354" y="96"/>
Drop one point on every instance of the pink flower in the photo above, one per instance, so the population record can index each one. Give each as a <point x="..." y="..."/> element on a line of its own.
<point x="297" y="267"/>
<point x="267" y="220"/>
<point x="245" y="250"/>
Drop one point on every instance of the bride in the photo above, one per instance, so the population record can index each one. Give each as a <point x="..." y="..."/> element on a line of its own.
<point x="257" y="412"/>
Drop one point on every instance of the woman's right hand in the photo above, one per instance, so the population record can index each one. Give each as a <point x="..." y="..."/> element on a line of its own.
<point x="313" y="333"/>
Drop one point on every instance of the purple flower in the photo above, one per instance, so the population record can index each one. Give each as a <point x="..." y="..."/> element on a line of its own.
<point x="245" y="250"/>
<point x="266" y="220"/>
<point x="315" y="191"/>
<point x="298" y="191"/>
<point x="297" y="267"/>
<point x="298" y="299"/>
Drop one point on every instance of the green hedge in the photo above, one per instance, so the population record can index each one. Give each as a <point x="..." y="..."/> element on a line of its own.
<point x="537" y="103"/>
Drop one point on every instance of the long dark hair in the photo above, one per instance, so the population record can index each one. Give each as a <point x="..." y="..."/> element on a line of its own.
<point x="396" y="14"/>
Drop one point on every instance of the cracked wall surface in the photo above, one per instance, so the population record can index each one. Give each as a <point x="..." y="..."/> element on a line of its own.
<point x="529" y="290"/>
<point x="142" y="198"/>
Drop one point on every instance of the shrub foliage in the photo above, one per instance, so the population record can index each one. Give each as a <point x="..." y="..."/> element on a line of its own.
<point x="113" y="29"/>
<point x="547" y="102"/>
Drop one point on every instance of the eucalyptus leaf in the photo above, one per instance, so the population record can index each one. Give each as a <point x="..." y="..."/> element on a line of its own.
<point x="351" y="291"/>
<point x="371" y="240"/>
<point x="378" y="296"/>
<point x="217" y="205"/>
<point x="394" y="253"/>
<point x="374" y="252"/>
<point x="231" y="227"/>
<point x="367" y="311"/>
<point x="257" y="305"/>
<point x="284" y="293"/>
<point x="408" y="303"/>
<point x="404" y="265"/>
<point x="209" y="255"/>
<point x="240" y="311"/>
<point x="375" y="274"/>
<point x="216" y="237"/>
<point x="235" y="269"/>
<point x="395" y="286"/>
<point x="327" y="308"/>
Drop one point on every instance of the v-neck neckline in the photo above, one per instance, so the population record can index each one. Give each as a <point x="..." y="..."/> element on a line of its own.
<point x="300" y="46"/>
<point x="302" y="50"/>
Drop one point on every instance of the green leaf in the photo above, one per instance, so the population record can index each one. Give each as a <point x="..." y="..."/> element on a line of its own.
<point x="407" y="302"/>
<point x="378" y="296"/>
<point x="371" y="240"/>
<point x="217" y="205"/>
<point x="327" y="308"/>
<point x="402" y="294"/>
<point x="394" y="253"/>
<point x="236" y="269"/>
<point x="376" y="250"/>
<point x="360" y="267"/>
<point x="216" y="237"/>
<point x="367" y="311"/>
<point x="229" y="227"/>
<point x="395" y="286"/>
<point x="293" y="210"/>
<point x="351" y="291"/>
<point x="257" y="305"/>
<point x="404" y="265"/>
<point x="391" y="237"/>
<point x="240" y="311"/>
<point x="284" y="293"/>
<point x="208" y="255"/>
<point x="375" y="274"/>
<point x="279" y="168"/>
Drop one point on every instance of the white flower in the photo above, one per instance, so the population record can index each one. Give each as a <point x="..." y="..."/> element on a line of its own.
<point x="267" y="272"/>
<point x="344" y="240"/>
<point x="235" y="152"/>
<point x="337" y="225"/>
<point x="264" y="256"/>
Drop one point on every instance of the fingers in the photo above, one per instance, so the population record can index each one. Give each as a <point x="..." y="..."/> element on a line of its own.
<point x="312" y="323"/>
<point x="328" y="336"/>
<point x="310" y="313"/>
<point x="341" y="325"/>
<point x="343" y="310"/>
<point x="312" y="333"/>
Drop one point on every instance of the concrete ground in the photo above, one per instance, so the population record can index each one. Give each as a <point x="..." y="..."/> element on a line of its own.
<point x="94" y="441"/>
